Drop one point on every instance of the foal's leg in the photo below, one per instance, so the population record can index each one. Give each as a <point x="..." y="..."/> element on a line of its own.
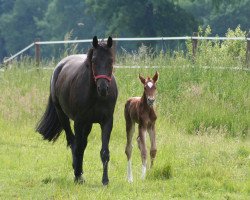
<point x="104" y="153"/>
<point x="130" y="129"/>
<point x="153" y="149"/>
<point x="81" y="135"/>
<point x="142" y="146"/>
<point x="63" y="118"/>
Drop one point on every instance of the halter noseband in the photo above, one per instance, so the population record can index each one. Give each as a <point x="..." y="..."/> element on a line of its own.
<point x="96" y="77"/>
<point x="102" y="76"/>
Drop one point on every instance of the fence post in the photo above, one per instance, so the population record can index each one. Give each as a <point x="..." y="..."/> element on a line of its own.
<point x="194" y="43"/>
<point x="37" y="52"/>
<point x="248" y="51"/>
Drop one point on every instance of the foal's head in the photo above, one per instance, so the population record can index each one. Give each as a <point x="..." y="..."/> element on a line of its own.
<point x="150" y="88"/>
<point x="101" y="59"/>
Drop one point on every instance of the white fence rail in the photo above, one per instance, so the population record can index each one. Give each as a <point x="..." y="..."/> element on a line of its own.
<point x="37" y="43"/>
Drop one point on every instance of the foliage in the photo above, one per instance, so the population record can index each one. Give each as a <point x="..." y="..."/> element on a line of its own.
<point x="22" y="21"/>
<point x="18" y="24"/>
<point x="221" y="53"/>
<point x="137" y="18"/>
<point x="220" y="15"/>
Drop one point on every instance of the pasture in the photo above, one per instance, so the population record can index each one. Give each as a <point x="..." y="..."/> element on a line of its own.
<point x="202" y="132"/>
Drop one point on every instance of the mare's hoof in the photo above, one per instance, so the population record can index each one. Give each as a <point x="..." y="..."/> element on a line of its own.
<point x="79" y="180"/>
<point x="105" y="182"/>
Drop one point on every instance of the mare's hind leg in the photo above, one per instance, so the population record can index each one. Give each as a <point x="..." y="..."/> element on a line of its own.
<point x="81" y="138"/>
<point x="153" y="149"/>
<point x="142" y="146"/>
<point x="130" y="129"/>
<point x="63" y="118"/>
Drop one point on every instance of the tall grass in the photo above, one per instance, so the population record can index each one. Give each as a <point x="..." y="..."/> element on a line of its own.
<point x="205" y="165"/>
<point x="202" y="94"/>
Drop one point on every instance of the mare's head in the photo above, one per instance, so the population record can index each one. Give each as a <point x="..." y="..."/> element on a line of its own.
<point x="150" y="88"/>
<point x="101" y="59"/>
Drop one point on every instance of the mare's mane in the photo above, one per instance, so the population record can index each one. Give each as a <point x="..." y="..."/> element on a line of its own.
<point x="90" y="51"/>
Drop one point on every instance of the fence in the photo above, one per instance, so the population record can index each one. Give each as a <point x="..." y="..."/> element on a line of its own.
<point x="195" y="38"/>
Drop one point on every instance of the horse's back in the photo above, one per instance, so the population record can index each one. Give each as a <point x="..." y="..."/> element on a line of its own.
<point x="131" y="110"/>
<point x="72" y="61"/>
<point x="65" y="74"/>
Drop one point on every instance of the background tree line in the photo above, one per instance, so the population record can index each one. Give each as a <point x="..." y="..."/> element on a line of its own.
<point x="21" y="21"/>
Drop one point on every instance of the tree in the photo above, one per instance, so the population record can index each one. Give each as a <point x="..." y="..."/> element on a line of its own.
<point x="219" y="14"/>
<point x="64" y="16"/>
<point x="18" y="25"/>
<point x="142" y="18"/>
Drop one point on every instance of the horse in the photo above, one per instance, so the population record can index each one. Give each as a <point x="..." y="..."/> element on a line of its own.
<point x="141" y="110"/>
<point x="82" y="89"/>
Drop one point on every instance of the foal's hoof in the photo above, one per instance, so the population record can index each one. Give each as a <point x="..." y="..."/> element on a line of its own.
<point x="130" y="180"/>
<point x="79" y="180"/>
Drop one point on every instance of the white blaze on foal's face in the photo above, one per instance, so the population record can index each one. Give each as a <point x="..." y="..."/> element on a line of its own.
<point x="149" y="90"/>
<point x="150" y="84"/>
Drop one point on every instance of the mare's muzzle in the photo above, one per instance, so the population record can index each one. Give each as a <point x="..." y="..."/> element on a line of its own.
<point x="103" y="85"/>
<point x="150" y="101"/>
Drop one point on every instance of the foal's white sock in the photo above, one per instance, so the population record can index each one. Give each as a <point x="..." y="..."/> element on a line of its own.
<point x="129" y="171"/>
<point x="144" y="169"/>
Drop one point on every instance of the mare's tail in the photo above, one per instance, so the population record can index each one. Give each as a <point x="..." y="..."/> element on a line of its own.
<point x="49" y="125"/>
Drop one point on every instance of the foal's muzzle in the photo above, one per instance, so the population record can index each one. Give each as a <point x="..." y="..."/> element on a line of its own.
<point x="150" y="101"/>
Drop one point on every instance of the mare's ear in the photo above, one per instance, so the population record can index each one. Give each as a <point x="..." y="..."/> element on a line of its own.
<point x="95" y="42"/>
<point x="142" y="79"/>
<point x="109" y="42"/>
<point x="155" y="78"/>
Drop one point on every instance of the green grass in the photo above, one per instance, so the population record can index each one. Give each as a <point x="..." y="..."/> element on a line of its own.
<point x="202" y="137"/>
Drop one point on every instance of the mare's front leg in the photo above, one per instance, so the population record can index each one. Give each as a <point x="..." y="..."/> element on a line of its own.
<point x="142" y="146"/>
<point x="81" y="138"/>
<point x="153" y="149"/>
<point x="106" y="127"/>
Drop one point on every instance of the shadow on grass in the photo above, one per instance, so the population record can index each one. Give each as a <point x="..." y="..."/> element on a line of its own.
<point x="161" y="173"/>
<point x="65" y="182"/>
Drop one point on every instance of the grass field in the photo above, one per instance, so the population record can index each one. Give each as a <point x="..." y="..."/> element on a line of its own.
<point x="202" y="135"/>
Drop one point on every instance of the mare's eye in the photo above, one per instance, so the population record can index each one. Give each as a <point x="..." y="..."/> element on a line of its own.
<point x="109" y="61"/>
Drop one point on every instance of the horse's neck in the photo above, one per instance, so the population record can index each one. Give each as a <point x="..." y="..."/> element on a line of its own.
<point x="144" y="102"/>
<point x="148" y="109"/>
<point x="90" y="73"/>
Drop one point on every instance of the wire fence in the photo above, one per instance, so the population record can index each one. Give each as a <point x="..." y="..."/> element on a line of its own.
<point x="193" y="38"/>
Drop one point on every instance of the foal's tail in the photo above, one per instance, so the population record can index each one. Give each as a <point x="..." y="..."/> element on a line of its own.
<point x="49" y="125"/>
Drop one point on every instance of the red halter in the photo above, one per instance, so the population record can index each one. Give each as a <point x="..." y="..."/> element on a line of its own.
<point x="96" y="77"/>
<point x="102" y="76"/>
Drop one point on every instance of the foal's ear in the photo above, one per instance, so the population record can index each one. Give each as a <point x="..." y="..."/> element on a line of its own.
<point x="142" y="79"/>
<point x="109" y="42"/>
<point x="155" y="78"/>
<point x="95" y="42"/>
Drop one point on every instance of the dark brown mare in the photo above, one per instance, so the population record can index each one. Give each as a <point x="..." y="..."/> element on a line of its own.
<point x="84" y="90"/>
<point x="141" y="110"/>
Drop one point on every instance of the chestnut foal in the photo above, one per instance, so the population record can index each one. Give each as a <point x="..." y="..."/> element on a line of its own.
<point x="140" y="110"/>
